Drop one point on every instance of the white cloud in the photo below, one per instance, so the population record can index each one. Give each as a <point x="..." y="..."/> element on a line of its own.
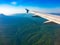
<point x="8" y="10"/>
<point x="13" y="3"/>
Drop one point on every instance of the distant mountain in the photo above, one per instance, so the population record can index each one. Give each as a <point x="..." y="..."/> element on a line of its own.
<point x="55" y="13"/>
<point x="22" y="15"/>
<point x="2" y="15"/>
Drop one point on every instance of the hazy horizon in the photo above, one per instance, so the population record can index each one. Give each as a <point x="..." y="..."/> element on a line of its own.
<point x="18" y="6"/>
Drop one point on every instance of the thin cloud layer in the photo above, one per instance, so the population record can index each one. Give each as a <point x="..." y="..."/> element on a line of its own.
<point x="8" y="10"/>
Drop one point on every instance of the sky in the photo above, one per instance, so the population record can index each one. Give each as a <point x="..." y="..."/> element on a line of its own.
<point x="17" y="6"/>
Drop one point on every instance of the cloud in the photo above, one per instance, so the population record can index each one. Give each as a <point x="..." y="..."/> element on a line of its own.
<point x="14" y="2"/>
<point x="8" y="10"/>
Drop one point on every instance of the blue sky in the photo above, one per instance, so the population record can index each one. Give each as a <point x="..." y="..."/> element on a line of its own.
<point x="43" y="5"/>
<point x="38" y="3"/>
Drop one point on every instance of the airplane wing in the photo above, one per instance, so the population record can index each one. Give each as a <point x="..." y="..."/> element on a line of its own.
<point x="50" y="17"/>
